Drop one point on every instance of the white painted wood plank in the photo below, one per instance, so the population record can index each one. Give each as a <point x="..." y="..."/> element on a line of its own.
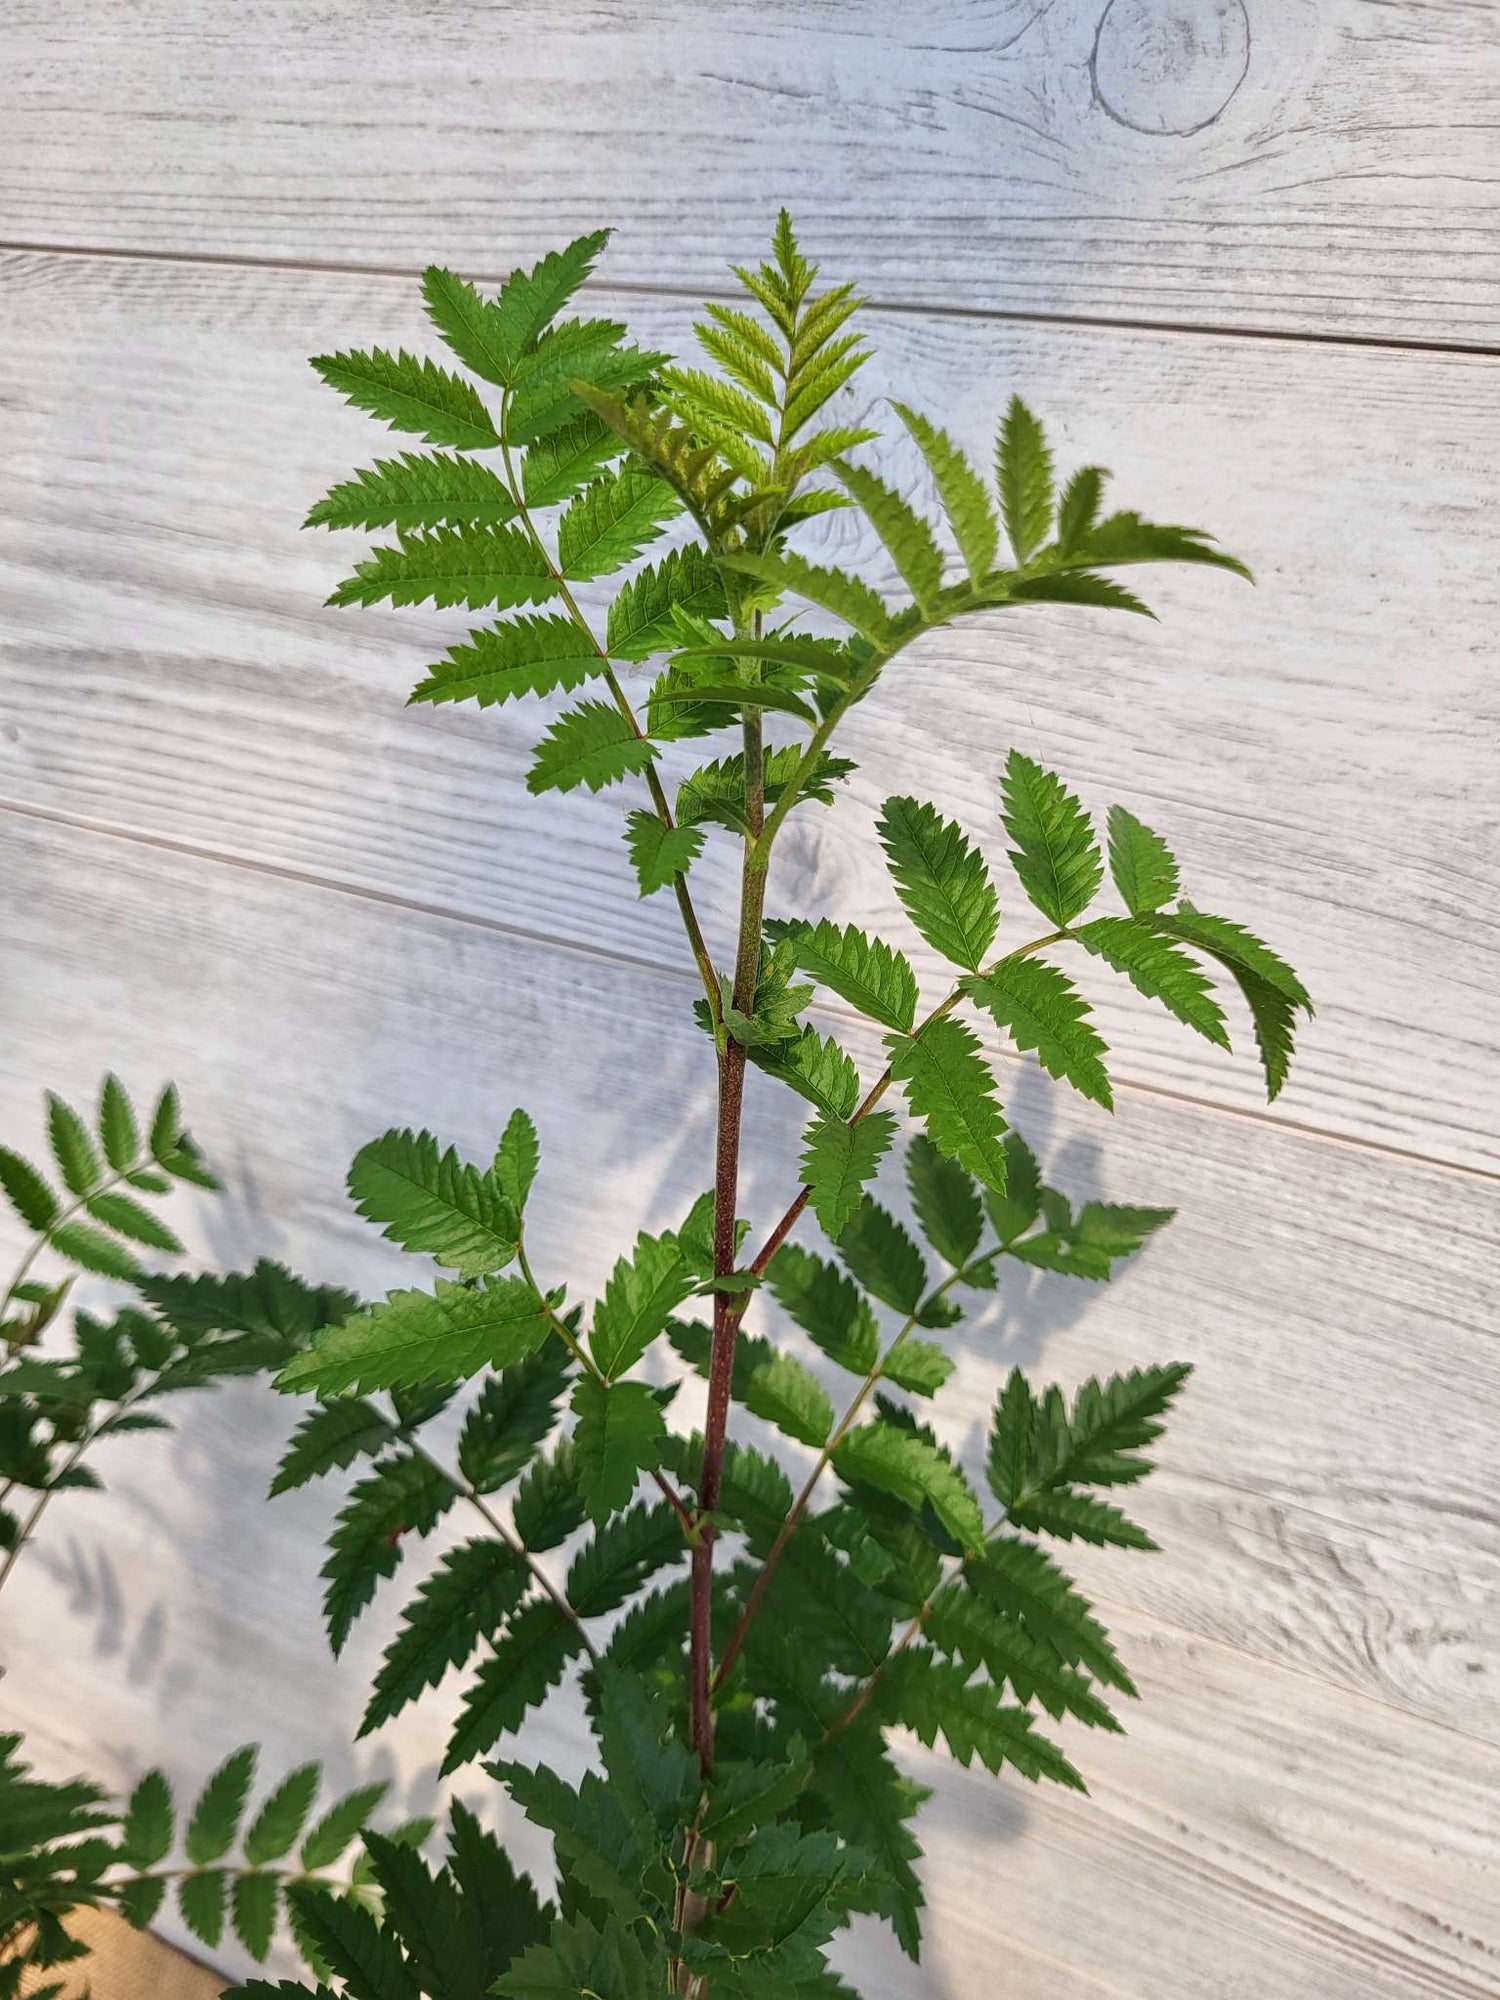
<point x="1313" y="165"/>
<point x="1287" y="1835"/>
<point x="1321" y="751"/>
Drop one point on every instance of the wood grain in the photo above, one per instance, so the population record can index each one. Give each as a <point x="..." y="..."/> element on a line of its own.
<point x="1320" y="751"/>
<point x="1317" y="166"/>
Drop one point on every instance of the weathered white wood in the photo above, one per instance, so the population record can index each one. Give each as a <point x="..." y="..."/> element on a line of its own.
<point x="1314" y="165"/>
<point x="1321" y="751"/>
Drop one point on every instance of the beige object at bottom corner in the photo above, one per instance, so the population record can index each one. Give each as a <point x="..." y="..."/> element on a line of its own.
<point x="127" y="1964"/>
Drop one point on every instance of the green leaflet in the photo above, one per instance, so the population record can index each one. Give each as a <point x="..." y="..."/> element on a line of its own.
<point x="514" y="1414"/>
<point x="937" y="1699"/>
<point x="965" y="498"/>
<point x="329" y="1837"/>
<point x="118" y="1132"/>
<point x="1041" y="1009"/>
<point x="882" y="1257"/>
<point x="816" y="1068"/>
<point x="1158" y="968"/>
<point x="530" y="300"/>
<point x="417" y="490"/>
<point x="642" y="1293"/>
<point x="1141" y="863"/>
<point x="660" y="854"/>
<point x="949" y="1086"/>
<point x="862" y="970"/>
<point x="941" y="878"/>
<point x="1013" y="1209"/>
<point x="329" y="1438"/>
<point x="216" y="1818"/>
<point x="593" y="745"/>
<point x="1023" y="468"/>
<point x="517" y="1159"/>
<point x="838" y="1159"/>
<point x="1273" y="992"/>
<point x="72" y="1147"/>
<point x="521" y="656"/>
<point x="566" y="458"/>
<point x="1126" y="538"/>
<point x="548" y="1505"/>
<point x="476" y="329"/>
<point x="946" y="1201"/>
<point x="964" y="1626"/>
<point x="832" y="590"/>
<point x="1087" y="1245"/>
<point x="1078" y="587"/>
<point x="27" y="1192"/>
<point x="1078" y="509"/>
<point x="908" y="539"/>
<point x="580" y="363"/>
<point x="282" y="1816"/>
<point x="829" y="1309"/>
<point x="444" y="1335"/>
<point x="1017" y="1579"/>
<point x="771" y="1385"/>
<point x="411" y="395"/>
<point x="405" y="1494"/>
<point x="716" y="791"/>
<point x="611" y="521"/>
<point x="432" y="1202"/>
<point x="617" y="1435"/>
<point x="919" y="1366"/>
<point x="444" y="566"/>
<point x="1055" y="852"/>
<point x="529" y="1659"/>
<point x="146" y="1836"/>
<point x="901" y="1463"/>
<point x="468" y="1597"/>
<point x="620" y="1555"/>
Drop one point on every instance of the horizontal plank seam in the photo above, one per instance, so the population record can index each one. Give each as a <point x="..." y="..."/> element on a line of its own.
<point x="915" y="308"/>
<point x="338" y="886"/>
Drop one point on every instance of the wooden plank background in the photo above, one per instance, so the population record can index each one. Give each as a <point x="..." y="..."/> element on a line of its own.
<point x="1245" y="251"/>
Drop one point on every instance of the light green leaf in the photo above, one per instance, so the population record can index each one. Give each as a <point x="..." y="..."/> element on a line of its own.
<point x="860" y="969"/>
<point x="908" y="539"/>
<point x="520" y="656"/>
<point x="941" y="879"/>
<point x="1023" y="467"/>
<point x="1040" y="1008"/>
<point x="617" y="1435"/>
<point x="443" y="566"/>
<point x="1141" y="863"/>
<point x="643" y="1291"/>
<point x="1158" y="968"/>
<point x="946" y="1201"/>
<point x="434" y="1203"/>
<point x="441" y="1336"/>
<point x="216" y="1817"/>
<point x="949" y="1087"/>
<point x="660" y="854"/>
<point x="517" y="1158"/>
<point x="898" y="1461"/>
<point x="965" y="498"/>
<point x="838" y="1159"/>
<point x="411" y="395"/>
<point x="1079" y="507"/>
<point x="592" y="744"/>
<point x="612" y="520"/>
<point x="417" y="490"/>
<point x="1055" y="855"/>
<point x="919" y="1366"/>
<point x="846" y="597"/>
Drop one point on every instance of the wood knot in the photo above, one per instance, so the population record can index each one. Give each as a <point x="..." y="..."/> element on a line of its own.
<point x="1169" y="67"/>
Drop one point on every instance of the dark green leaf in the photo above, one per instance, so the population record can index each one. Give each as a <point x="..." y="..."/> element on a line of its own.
<point x="216" y="1817"/>
<point x="519" y="656"/>
<point x="617" y="1435"/>
<point x="1023" y="468"/>
<point x="838" y="1159"/>
<point x="528" y="1661"/>
<point x="282" y="1816"/>
<point x="468" y="1597"/>
<point x="441" y="1336"/>
<point x="1040" y="1008"/>
<point x="592" y="744"/>
<point x="949" y="1087"/>
<point x="1055" y="853"/>
<point x="941" y="879"/>
<point x="411" y="395"/>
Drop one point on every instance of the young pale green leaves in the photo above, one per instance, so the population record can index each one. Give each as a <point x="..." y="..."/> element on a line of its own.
<point x="964" y="495"/>
<point x="1023" y="471"/>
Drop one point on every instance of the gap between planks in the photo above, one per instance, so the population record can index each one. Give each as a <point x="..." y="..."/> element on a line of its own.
<point x="310" y="878"/>
<point x="911" y="308"/>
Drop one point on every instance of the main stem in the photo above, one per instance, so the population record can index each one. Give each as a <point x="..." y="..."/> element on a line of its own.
<point x="726" y="1195"/>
